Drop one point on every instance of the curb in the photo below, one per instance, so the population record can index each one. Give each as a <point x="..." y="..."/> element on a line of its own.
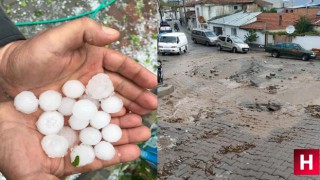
<point x="164" y="89"/>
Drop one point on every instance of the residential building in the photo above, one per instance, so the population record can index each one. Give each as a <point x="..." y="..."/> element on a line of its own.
<point x="275" y="22"/>
<point x="229" y="25"/>
<point x="209" y="9"/>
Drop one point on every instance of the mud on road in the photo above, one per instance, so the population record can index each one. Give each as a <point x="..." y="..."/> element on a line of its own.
<point x="225" y="100"/>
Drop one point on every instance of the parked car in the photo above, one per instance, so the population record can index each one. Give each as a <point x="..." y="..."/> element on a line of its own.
<point x="232" y="43"/>
<point x="204" y="36"/>
<point x="173" y="43"/>
<point x="290" y="49"/>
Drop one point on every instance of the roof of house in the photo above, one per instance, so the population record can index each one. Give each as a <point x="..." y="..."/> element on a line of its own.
<point x="237" y="19"/>
<point x="271" y="21"/>
<point x="224" y="2"/>
<point x="305" y="6"/>
<point x="264" y="3"/>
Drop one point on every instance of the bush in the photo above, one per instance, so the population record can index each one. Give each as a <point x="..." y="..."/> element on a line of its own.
<point x="251" y="36"/>
<point x="303" y="25"/>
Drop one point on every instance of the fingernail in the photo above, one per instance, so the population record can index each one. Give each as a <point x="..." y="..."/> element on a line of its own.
<point x="109" y="31"/>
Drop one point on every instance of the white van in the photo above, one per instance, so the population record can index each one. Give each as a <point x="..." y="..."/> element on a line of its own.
<point x="173" y="43"/>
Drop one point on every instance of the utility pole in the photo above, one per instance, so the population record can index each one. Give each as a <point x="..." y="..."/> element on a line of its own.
<point x="185" y="12"/>
<point x="160" y="11"/>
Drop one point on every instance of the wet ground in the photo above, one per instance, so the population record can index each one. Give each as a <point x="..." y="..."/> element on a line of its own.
<point x="236" y="116"/>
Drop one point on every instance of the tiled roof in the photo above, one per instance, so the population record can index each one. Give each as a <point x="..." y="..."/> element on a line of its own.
<point x="271" y="21"/>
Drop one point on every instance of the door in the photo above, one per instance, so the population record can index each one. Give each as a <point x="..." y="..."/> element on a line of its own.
<point x="228" y="43"/>
<point x="203" y="38"/>
<point x="287" y="49"/>
<point x="296" y="50"/>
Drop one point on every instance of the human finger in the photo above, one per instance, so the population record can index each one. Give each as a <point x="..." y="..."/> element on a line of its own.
<point x="117" y="62"/>
<point x="127" y="121"/>
<point x="131" y="91"/>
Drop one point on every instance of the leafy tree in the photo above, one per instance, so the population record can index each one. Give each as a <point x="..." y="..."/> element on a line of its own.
<point x="303" y="25"/>
<point x="251" y="36"/>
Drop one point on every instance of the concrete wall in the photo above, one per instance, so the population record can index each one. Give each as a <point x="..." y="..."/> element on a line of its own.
<point x="307" y="42"/>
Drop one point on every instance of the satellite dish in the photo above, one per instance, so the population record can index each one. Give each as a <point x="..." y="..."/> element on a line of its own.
<point x="290" y="29"/>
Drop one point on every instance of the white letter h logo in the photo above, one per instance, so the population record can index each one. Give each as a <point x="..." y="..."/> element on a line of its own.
<point x="303" y="162"/>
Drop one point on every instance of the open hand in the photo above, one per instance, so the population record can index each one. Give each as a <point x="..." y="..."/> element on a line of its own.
<point x="22" y="157"/>
<point x="75" y="50"/>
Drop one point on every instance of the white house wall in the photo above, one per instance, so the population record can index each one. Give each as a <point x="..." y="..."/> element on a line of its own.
<point x="307" y="42"/>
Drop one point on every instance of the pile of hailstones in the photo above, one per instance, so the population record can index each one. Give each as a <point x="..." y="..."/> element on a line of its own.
<point x="83" y="110"/>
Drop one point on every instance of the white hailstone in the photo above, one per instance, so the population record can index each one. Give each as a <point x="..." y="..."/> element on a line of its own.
<point x="100" y="120"/>
<point x="112" y="133"/>
<point x="84" y="109"/>
<point x="69" y="134"/>
<point x="104" y="150"/>
<point x="50" y="100"/>
<point x="85" y="153"/>
<point x="26" y="102"/>
<point x="78" y="124"/>
<point x="66" y="106"/>
<point x="54" y="145"/>
<point x="50" y="122"/>
<point x="73" y="89"/>
<point x="100" y="86"/>
<point x="112" y="104"/>
<point x="90" y="136"/>
<point x="95" y="101"/>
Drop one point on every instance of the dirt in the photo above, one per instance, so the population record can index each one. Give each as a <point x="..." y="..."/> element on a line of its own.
<point x="260" y="93"/>
<point x="236" y="148"/>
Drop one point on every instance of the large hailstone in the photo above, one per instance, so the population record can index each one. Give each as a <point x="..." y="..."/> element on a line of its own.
<point x="104" y="150"/>
<point x="112" y="133"/>
<point x="95" y="101"/>
<point x="84" y="109"/>
<point x="50" y="100"/>
<point x="112" y="104"/>
<point x="100" y="86"/>
<point x="90" y="136"/>
<point x="26" y="102"/>
<point x="78" y="124"/>
<point x="69" y="134"/>
<point x="85" y="153"/>
<point x="54" y="145"/>
<point x="100" y="120"/>
<point x="50" y="122"/>
<point x="66" y="106"/>
<point x="73" y="89"/>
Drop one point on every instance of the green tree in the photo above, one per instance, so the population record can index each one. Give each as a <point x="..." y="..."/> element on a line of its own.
<point x="251" y="36"/>
<point x="303" y="25"/>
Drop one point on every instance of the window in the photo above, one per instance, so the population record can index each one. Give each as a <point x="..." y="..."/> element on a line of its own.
<point x="222" y="38"/>
<point x="229" y="40"/>
<point x="287" y="45"/>
<point x="235" y="7"/>
<point x="217" y="30"/>
<point x="233" y="32"/>
<point x="202" y="34"/>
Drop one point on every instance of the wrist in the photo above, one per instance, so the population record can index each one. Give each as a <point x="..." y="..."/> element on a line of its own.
<point x="5" y="53"/>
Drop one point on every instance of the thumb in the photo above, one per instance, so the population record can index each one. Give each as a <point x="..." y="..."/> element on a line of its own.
<point x="74" y="34"/>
